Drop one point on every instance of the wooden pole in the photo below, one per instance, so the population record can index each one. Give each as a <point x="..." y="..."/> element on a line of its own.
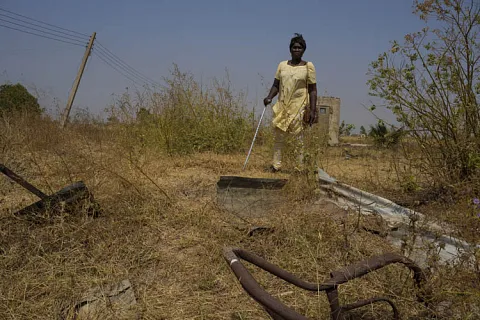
<point x="77" y="81"/>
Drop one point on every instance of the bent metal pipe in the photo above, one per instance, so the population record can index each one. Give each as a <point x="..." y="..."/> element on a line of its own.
<point x="279" y="311"/>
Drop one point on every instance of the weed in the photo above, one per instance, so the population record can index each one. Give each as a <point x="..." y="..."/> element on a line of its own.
<point x="162" y="229"/>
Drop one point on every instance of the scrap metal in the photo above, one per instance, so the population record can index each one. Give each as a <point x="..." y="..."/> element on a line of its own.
<point x="64" y="199"/>
<point x="279" y="311"/>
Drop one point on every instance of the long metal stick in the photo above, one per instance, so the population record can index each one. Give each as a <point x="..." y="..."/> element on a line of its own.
<point x="12" y="175"/>
<point x="259" y="122"/>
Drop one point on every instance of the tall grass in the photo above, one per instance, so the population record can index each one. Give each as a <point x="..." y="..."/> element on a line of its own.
<point x="185" y="116"/>
<point x="162" y="229"/>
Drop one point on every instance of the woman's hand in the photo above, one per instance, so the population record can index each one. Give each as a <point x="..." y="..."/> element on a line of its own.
<point x="306" y="116"/>
<point x="273" y="92"/>
<point x="313" y="115"/>
<point x="309" y="116"/>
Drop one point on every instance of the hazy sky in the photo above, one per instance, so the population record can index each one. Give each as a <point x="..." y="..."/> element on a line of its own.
<point x="249" y="38"/>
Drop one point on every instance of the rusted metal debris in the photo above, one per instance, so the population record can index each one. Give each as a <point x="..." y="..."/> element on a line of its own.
<point x="66" y="199"/>
<point x="260" y="230"/>
<point x="279" y="311"/>
<point x="226" y="182"/>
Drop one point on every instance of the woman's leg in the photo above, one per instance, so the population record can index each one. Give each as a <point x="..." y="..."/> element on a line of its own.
<point x="299" y="150"/>
<point x="297" y="129"/>
<point x="279" y="140"/>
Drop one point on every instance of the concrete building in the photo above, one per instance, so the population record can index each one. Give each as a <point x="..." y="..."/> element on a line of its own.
<point x="329" y="118"/>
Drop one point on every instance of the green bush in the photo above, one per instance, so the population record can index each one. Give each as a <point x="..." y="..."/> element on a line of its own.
<point x="16" y="98"/>
<point x="431" y="83"/>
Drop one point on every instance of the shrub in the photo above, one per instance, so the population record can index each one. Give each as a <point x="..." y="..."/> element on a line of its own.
<point x="16" y="98"/>
<point x="383" y="137"/>
<point x="431" y="83"/>
<point x="183" y="117"/>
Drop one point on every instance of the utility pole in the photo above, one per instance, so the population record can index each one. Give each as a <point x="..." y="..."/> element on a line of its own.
<point x="66" y="113"/>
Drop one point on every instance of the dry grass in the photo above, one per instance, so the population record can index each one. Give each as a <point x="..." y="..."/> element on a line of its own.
<point x="162" y="229"/>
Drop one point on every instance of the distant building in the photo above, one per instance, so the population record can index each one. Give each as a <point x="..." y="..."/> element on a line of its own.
<point x="329" y="118"/>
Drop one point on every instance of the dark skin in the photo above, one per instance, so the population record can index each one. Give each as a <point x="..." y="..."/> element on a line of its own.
<point x="297" y="52"/>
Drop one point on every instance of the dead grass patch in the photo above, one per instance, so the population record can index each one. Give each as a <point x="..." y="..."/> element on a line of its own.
<point x="163" y="230"/>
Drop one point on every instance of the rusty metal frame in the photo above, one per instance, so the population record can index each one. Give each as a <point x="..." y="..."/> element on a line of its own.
<point x="63" y="199"/>
<point x="279" y="311"/>
<point x="12" y="175"/>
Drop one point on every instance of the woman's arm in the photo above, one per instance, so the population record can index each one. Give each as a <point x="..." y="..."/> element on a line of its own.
<point x="312" y="91"/>
<point x="273" y="92"/>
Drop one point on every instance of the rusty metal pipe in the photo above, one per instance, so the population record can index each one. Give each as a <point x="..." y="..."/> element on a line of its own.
<point x="274" y="306"/>
<point x="275" y="270"/>
<point x="279" y="311"/>
<point x="12" y="175"/>
<point x="361" y="268"/>
<point x="362" y="303"/>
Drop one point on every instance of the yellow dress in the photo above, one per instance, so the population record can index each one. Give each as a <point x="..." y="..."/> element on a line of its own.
<point x="292" y="95"/>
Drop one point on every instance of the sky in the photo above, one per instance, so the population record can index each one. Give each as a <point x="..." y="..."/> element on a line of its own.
<point x="247" y="38"/>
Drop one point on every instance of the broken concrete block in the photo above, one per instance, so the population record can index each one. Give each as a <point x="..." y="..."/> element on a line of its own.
<point x="115" y="301"/>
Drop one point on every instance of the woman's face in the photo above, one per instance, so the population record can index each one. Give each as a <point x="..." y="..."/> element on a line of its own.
<point x="297" y="51"/>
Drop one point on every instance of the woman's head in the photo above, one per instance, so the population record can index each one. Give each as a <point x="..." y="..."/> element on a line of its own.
<point x="297" y="46"/>
<point x="298" y="38"/>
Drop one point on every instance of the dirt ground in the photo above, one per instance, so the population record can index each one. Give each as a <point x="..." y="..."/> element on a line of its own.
<point x="163" y="230"/>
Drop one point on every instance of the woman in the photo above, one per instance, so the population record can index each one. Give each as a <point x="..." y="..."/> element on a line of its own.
<point x="296" y="86"/>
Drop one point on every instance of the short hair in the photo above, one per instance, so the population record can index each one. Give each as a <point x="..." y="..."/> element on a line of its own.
<point x="298" y="38"/>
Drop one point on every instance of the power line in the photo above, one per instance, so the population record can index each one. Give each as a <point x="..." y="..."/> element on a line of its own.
<point x="115" y="65"/>
<point x="133" y="73"/>
<point x="72" y="37"/>
<point x="108" y="58"/>
<point x="44" y="32"/>
<point x="125" y="67"/>
<point x="103" y="52"/>
<point x="48" y="24"/>
<point x="38" y="35"/>
<point x="37" y="25"/>
<point x="106" y="62"/>
<point x="108" y="52"/>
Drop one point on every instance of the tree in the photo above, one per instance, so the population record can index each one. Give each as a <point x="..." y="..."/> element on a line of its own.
<point x="431" y="83"/>
<point x="363" y="131"/>
<point x="345" y="129"/>
<point x="14" y="98"/>
<point x="384" y="137"/>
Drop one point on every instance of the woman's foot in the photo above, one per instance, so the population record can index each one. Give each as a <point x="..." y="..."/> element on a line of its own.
<point x="272" y="169"/>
